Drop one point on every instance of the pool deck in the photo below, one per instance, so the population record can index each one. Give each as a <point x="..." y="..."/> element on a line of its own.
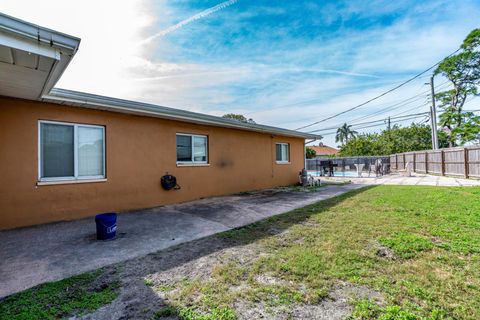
<point x="415" y="179"/>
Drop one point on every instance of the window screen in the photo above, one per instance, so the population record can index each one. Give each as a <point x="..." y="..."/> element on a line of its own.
<point x="57" y="151"/>
<point x="184" y="148"/>
<point x="71" y="151"/>
<point x="200" y="149"/>
<point x="90" y="151"/>
<point x="282" y="152"/>
<point x="192" y="148"/>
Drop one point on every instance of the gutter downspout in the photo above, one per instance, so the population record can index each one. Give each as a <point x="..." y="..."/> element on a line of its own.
<point x="305" y="152"/>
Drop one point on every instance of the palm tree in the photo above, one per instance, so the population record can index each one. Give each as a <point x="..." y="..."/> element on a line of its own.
<point x="344" y="133"/>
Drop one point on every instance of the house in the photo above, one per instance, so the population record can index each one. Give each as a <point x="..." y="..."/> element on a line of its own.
<point x="67" y="155"/>
<point x="324" y="151"/>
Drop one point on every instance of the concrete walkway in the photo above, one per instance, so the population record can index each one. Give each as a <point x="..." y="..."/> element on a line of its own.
<point x="415" y="179"/>
<point x="33" y="255"/>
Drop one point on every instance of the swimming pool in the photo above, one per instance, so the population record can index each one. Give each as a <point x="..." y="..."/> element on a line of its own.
<point x="351" y="174"/>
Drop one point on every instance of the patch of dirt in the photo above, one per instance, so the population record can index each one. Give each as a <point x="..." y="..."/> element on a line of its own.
<point x="201" y="269"/>
<point x="247" y="310"/>
<point x="382" y="251"/>
<point x="345" y="289"/>
<point x="436" y="240"/>
<point x="238" y="288"/>
<point x="270" y="280"/>
<point x="141" y="299"/>
<point x="337" y="306"/>
<point x="106" y="279"/>
<point x="300" y="240"/>
<point x="442" y="274"/>
<point x="386" y="253"/>
<point x="148" y="282"/>
<point x="277" y="231"/>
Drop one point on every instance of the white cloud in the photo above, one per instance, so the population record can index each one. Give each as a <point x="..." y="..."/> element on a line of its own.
<point x="108" y="29"/>
<point x="193" y="18"/>
<point x="110" y="62"/>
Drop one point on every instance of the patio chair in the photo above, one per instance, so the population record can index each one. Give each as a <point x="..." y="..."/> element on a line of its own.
<point x="407" y="172"/>
<point x="379" y="167"/>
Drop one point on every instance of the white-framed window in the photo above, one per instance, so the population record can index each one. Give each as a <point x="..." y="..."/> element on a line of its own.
<point x="192" y="148"/>
<point x="282" y="152"/>
<point x="70" y="151"/>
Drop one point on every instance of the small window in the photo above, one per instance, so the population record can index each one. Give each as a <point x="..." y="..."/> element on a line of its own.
<point x="282" y="151"/>
<point x="192" y="148"/>
<point x="71" y="151"/>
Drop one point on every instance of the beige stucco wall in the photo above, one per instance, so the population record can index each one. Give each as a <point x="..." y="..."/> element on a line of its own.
<point x="139" y="150"/>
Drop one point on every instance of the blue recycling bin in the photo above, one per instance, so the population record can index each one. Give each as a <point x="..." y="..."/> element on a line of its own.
<point x="106" y="225"/>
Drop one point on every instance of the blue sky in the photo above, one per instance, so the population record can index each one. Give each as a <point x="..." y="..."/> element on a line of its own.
<point x="283" y="63"/>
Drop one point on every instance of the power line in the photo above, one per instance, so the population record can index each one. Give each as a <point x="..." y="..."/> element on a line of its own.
<point x="382" y="121"/>
<point x="297" y="103"/>
<point x="399" y="119"/>
<point x="379" y="124"/>
<point x="377" y="97"/>
<point x="411" y="109"/>
<point x="401" y="101"/>
<point x="397" y="105"/>
<point x="420" y="96"/>
<point x="390" y="108"/>
<point x="405" y="117"/>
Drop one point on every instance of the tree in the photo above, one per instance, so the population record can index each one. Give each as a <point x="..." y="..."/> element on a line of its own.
<point x="463" y="71"/>
<point x="397" y="140"/>
<point x="362" y="145"/>
<point x="344" y="133"/>
<point x="238" y="117"/>
<point x="310" y="153"/>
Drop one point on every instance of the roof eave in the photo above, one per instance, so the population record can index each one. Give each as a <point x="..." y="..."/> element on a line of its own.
<point x="91" y="101"/>
<point x="35" y="32"/>
<point x="41" y="42"/>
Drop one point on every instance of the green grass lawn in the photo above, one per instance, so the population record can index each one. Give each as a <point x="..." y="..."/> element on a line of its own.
<point x="433" y="271"/>
<point x="419" y="247"/>
<point x="76" y="295"/>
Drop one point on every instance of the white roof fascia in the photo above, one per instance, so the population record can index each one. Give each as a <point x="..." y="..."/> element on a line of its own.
<point x="91" y="101"/>
<point x="32" y="38"/>
<point x="8" y="40"/>
<point x="42" y="35"/>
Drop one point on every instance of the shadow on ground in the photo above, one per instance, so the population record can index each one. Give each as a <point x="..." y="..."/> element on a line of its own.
<point x="33" y="255"/>
<point x="137" y="300"/>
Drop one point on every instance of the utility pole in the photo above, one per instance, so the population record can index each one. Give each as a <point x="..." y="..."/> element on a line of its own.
<point x="388" y="124"/>
<point x="433" y="117"/>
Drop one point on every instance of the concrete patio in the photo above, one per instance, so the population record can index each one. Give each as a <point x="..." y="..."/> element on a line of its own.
<point x="33" y="255"/>
<point x="415" y="179"/>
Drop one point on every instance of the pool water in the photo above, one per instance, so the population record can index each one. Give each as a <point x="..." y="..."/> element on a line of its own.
<point x="352" y="174"/>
